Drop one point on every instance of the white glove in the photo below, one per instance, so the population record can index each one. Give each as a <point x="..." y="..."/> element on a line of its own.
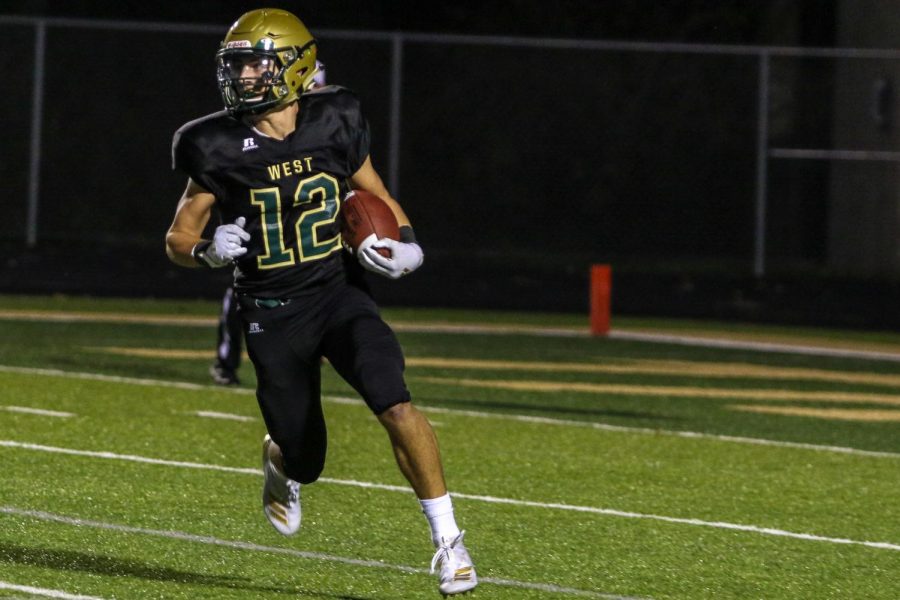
<point x="226" y="245"/>
<point x="405" y="257"/>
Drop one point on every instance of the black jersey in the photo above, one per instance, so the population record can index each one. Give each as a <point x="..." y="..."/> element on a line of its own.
<point x="288" y="190"/>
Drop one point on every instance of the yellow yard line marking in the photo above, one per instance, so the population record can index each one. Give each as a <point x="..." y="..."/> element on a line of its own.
<point x="802" y="342"/>
<point x="786" y="339"/>
<point x="648" y="367"/>
<point x="666" y="391"/>
<point x="651" y="367"/>
<point x="152" y="352"/>
<point x="201" y="321"/>
<point x="106" y="317"/>
<point x="834" y="414"/>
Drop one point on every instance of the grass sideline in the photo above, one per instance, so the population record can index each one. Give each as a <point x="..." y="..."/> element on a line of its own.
<point x="565" y="492"/>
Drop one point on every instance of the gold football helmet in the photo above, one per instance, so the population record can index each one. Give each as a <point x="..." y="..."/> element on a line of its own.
<point x="267" y="59"/>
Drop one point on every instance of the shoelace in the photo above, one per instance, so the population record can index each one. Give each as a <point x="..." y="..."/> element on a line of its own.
<point x="445" y="552"/>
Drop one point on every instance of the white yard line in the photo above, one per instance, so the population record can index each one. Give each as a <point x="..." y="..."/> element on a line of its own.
<point x="250" y="546"/>
<point x="731" y="344"/>
<point x="181" y="385"/>
<point x="475" y="497"/>
<point x="648" y="431"/>
<point x="211" y="414"/>
<point x="469" y="413"/>
<point x="35" y="591"/>
<point x="37" y="411"/>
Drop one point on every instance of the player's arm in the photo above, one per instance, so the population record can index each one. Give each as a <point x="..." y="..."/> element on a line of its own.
<point x="186" y="230"/>
<point x="184" y="244"/>
<point x="367" y="178"/>
<point x="405" y="254"/>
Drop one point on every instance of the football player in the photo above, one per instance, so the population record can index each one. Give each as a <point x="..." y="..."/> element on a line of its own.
<point x="230" y="331"/>
<point x="228" y="342"/>
<point x="275" y="165"/>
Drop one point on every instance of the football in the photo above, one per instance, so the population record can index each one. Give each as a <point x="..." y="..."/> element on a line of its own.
<point x="363" y="214"/>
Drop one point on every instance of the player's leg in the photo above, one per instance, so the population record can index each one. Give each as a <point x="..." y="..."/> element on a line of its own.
<point x="288" y="392"/>
<point x="295" y="422"/>
<point x="415" y="448"/>
<point x="235" y="328"/>
<point x="366" y="353"/>
<point x="228" y="342"/>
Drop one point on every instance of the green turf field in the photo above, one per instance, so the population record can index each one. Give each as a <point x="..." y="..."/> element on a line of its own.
<point x="617" y="467"/>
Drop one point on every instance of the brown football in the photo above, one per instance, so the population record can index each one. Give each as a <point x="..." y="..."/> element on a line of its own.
<point x="362" y="214"/>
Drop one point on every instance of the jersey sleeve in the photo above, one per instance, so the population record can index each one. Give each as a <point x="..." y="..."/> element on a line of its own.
<point x="358" y="147"/>
<point x="351" y="129"/>
<point x="188" y="157"/>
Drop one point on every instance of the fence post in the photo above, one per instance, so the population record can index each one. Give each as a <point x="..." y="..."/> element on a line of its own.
<point x="37" y="117"/>
<point x="395" y="115"/>
<point x="762" y="157"/>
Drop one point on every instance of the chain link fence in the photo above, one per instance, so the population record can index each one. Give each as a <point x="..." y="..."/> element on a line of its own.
<point x="520" y="161"/>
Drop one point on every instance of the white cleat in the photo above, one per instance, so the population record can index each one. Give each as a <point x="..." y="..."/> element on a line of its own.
<point x="280" y="496"/>
<point x="457" y="570"/>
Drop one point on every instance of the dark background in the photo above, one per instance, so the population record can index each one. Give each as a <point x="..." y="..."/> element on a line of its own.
<point x="771" y="22"/>
<point x="520" y="166"/>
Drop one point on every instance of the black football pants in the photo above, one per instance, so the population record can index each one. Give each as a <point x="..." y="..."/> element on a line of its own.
<point x="286" y="343"/>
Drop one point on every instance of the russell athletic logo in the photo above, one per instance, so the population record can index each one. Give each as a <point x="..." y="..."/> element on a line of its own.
<point x="255" y="328"/>
<point x="250" y="144"/>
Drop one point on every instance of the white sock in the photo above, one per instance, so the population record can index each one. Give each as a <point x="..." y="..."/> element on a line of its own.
<point x="439" y="512"/>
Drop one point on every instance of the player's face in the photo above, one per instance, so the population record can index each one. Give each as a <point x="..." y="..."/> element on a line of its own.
<point x="254" y="72"/>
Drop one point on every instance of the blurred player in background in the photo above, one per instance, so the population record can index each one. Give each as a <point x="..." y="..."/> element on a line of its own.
<point x="229" y="342"/>
<point x="230" y="337"/>
<point x="275" y="165"/>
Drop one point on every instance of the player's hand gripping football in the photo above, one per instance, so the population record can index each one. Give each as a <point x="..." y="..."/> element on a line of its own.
<point x="404" y="257"/>
<point x="227" y="244"/>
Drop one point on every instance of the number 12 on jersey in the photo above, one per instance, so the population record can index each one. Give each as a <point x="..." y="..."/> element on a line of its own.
<point x="322" y="190"/>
